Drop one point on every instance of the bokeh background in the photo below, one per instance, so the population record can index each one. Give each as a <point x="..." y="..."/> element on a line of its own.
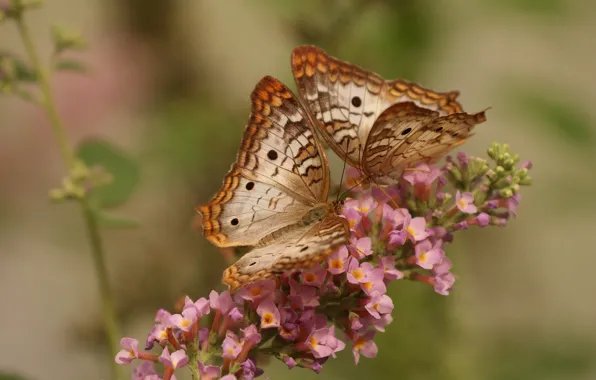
<point x="169" y="83"/>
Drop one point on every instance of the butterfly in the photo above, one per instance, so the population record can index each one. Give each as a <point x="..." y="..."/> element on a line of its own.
<point x="274" y="197"/>
<point x="380" y="127"/>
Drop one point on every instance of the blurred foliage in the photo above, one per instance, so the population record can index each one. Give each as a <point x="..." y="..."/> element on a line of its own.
<point x="11" y="376"/>
<point x="559" y="115"/>
<point x="124" y="171"/>
<point x="551" y="8"/>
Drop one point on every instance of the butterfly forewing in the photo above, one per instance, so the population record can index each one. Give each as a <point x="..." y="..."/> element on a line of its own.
<point x="346" y="100"/>
<point x="280" y="172"/>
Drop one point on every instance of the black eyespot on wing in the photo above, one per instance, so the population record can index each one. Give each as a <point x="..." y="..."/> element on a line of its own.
<point x="251" y="264"/>
<point x="234" y="222"/>
<point x="406" y="131"/>
<point x="439" y="129"/>
<point x="356" y="101"/>
<point x="454" y="134"/>
<point x="250" y="185"/>
<point x="272" y="155"/>
<point x="304" y="248"/>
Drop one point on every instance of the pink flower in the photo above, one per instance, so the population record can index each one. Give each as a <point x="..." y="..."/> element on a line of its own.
<point x="209" y="372"/>
<point x="222" y="302"/>
<point x="130" y="351"/>
<point x="250" y="335"/>
<point x="363" y="344"/>
<point x="163" y="316"/>
<point x="257" y="290"/>
<point x="231" y="346"/>
<point x="323" y="343"/>
<point x="143" y="371"/>
<point x="387" y="263"/>
<point x="364" y="204"/>
<point x="269" y="314"/>
<point x="314" y="277"/>
<point x="338" y="260"/>
<point x="483" y="219"/>
<point x="361" y="248"/>
<point x="379" y="305"/>
<point x="355" y="274"/>
<point x="444" y="266"/>
<point x="177" y="360"/>
<point x="427" y="255"/>
<point x="303" y="295"/>
<point x="201" y="306"/>
<point x="443" y="283"/>
<point x="416" y="229"/>
<point x="353" y="217"/>
<point x="465" y="202"/>
<point x="185" y="321"/>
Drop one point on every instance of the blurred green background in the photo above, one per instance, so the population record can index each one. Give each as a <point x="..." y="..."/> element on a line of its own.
<point x="169" y="84"/>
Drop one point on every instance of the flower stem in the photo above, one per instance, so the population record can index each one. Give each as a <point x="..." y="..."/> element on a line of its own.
<point x="89" y="215"/>
<point x="193" y="357"/>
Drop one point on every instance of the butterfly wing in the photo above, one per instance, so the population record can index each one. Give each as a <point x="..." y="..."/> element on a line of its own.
<point x="300" y="248"/>
<point x="280" y="172"/>
<point x="406" y="135"/>
<point x="346" y="99"/>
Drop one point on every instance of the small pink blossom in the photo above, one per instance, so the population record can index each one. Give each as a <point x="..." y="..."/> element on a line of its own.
<point x="314" y="277"/>
<point x="201" y="306"/>
<point x="303" y="295"/>
<point x="185" y="320"/>
<point x="176" y="360"/>
<point x="427" y="255"/>
<point x="129" y="352"/>
<point x="361" y="248"/>
<point x="465" y="202"/>
<point x="222" y="302"/>
<point x="379" y="305"/>
<point x="269" y="314"/>
<point x="387" y="263"/>
<point x="443" y="283"/>
<point x="364" y="345"/>
<point x="231" y="346"/>
<point x="208" y="372"/>
<point x="257" y="290"/>
<point x="338" y="261"/>
<point x="416" y="229"/>
<point x="323" y="343"/>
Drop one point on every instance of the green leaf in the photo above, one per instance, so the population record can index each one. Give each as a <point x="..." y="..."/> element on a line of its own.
<point x="11" y="376"/>
<point x="116" y="221"/>
<point x="70" y="65"/>
<point x="123" y="169"/>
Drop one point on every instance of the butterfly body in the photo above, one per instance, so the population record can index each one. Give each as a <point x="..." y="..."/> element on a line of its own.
<point x="381" y="127"/>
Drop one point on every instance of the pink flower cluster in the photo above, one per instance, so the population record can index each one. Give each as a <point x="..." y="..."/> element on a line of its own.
<point x="396" y="233"/>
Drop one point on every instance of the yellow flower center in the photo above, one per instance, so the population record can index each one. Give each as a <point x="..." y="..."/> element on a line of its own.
<point x="358" y="344"/>
<point x="309" y="277"/>
<point x="368" y="285"/>
<point x="267" y="319"/>
<point x="422" y="257"/>
<point x="313" y="342"/>
<point x="411" y="231"/>
<point x="461" y="203"/>
<point x="185" y="323"/>
<point x="357" y="273"/>
<point x="364" y="209"/>
<point x="131" y="352"/>
<point x="376" y="307"/>
<point x="337" y="264"/>
<point x="352" y="223"/>
<point x="255" y="291"/>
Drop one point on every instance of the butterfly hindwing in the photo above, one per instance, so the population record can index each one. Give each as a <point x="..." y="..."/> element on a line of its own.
<point x="300" y="248"/>
<point x="280" y="172"/>
<point x="405" y="135"/>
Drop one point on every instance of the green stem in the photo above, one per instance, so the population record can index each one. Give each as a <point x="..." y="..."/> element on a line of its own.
<point x="89" y="216"/>
<point x="193" y="357"/>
